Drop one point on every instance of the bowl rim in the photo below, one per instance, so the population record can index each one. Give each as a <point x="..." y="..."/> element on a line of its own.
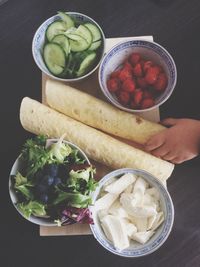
<point x="112" y="100"/>
<point x="11" y="191"/>
<point x="72" y="79"/>
<point x="161" y="188"/>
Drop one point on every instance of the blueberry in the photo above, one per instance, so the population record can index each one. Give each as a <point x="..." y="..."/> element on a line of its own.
<point x="51" y="169"/>
<point x="57" y="181"/>
<point x="44" y="198"/>
<point x="63" y="171"/>
<point x="39" y="176"/>
<point x="47" y="180"/>
<point x="41" y="188"/>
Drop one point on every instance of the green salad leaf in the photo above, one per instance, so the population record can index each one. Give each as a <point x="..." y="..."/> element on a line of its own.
<point x="82" y="180"/>
<point x="59" y="151"/>
<point x="36" y="155"/>
<point x="75" y="157"/>
<point x="32" y="208"/>
<point x="23" y="185"/>
<point x="80" y="174"/>
<point x="76" y="200"/>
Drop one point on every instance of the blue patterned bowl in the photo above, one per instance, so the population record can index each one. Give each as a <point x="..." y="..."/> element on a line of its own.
<point x="39" y="40"/>
<point x="161" y="234"/>
<point x="150" y="50"/>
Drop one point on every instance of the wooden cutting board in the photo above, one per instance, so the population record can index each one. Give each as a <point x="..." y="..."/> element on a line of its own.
<point x="91" y="86"/>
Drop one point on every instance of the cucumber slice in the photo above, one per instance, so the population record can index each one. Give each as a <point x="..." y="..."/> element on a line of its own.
<point x="95" y="45"/>
<point x="63" y="41"/>
<point x="66" y="19"/>
<point x="86" y="64"/>
<point x="54" y="29"/>
<point x="70" y="30"/>
<point x="54" y="58"/>
<point x="85" y="33"/>
<point x="96" y="34"/>
<point x="77" y="43"/>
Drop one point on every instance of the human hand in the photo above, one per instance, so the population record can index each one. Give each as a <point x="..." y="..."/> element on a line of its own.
<point x="178" y="143"/>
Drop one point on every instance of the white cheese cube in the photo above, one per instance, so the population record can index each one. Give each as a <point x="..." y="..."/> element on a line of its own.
<point x="102" y="214"/>
<point x="129" y="189"/>
<point x="153" y="192"/>
<point x="151" y="221"/>
<point x="117" y="210"/>
<point x="130" y="205"/>
<point x="142" y="237"/>
<point x="140" y="185"/>
<point x="140" y="223"/>
<point x="120" y="184"/>
<point x="129" y="200"/>
<point x="130" y="227"/>
<point x="115" y="231"/>
<point x="105" y="202"/>
<point x="159" y="219"/>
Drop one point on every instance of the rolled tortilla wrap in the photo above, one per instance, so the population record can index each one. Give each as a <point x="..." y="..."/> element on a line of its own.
<point x="40" y="119"/>
<point x="99" y="114"/>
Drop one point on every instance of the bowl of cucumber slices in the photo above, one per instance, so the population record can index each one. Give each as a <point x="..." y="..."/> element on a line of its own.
<point x="68" y="46"/>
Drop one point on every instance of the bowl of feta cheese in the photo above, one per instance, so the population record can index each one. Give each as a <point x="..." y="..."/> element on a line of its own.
<point x="133" y="213"/>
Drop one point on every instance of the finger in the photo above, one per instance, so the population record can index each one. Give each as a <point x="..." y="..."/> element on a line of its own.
<point x="169" y="121"/>
<point x="154" y="142"/>
<point x="169" y="156"/>
<point x="160" y="152"/>
<point x="177" y="160"/>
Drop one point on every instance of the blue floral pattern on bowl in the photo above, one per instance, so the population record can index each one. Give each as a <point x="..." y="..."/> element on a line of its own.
<point x="150" y="50"/>
<point x="162" y="233"/>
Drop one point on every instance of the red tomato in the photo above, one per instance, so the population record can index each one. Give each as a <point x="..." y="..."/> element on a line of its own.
<point x="128" y="85"/>
<point x="124" y="97"/>
<point x="134" y="58"/>
<point x="113" y="85"/>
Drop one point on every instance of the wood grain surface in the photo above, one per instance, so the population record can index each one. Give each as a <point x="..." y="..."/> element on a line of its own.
<point x="174" y="24"/>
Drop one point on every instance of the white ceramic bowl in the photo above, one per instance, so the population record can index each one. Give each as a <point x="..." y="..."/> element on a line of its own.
<point x="161" y="234"/>
<point x="150" y="50"/>
<point x="17" y="166"/>
<point x="39" y="40"/>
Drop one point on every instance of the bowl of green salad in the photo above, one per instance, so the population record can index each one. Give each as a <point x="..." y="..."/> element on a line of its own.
<point x="51" y="182"/>
<point x="68" y="46"/>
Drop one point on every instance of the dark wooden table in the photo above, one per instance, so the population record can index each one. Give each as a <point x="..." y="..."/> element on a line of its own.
<point x="175" y="24"/>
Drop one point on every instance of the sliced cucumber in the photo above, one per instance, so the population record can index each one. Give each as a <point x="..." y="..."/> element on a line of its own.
<point x="70" y="47"/>
<point x="85" y="33"/>
<point x="96" y="34"/>
<point x="86" y="64"/>
<point x="95" y="45"/>
<point x="77" y="43"/>
<point x="63" y="41"/>
<point x="54" y="29"/>
<point x="70" y="30"/>
<point x="54" y="57"/>
<point x="66" y="19"/>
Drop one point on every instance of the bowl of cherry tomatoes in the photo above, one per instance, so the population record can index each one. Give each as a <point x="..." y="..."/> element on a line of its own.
<point x="137" y="75"/>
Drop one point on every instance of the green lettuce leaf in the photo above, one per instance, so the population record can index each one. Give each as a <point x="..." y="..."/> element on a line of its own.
<point x="75" y="157"/>
<point x="76" y="200"/>
<point x="36" y="155"/>
<point x="23" y="185"/>
<point x="32" y="208"/>
<point x="80" y="174"/>
<point x="82" y="181"/>
<point x="59" y="151"/>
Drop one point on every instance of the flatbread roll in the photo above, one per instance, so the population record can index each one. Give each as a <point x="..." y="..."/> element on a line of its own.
<point x="99" y="114"/>
<point x="40" y="119"/>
